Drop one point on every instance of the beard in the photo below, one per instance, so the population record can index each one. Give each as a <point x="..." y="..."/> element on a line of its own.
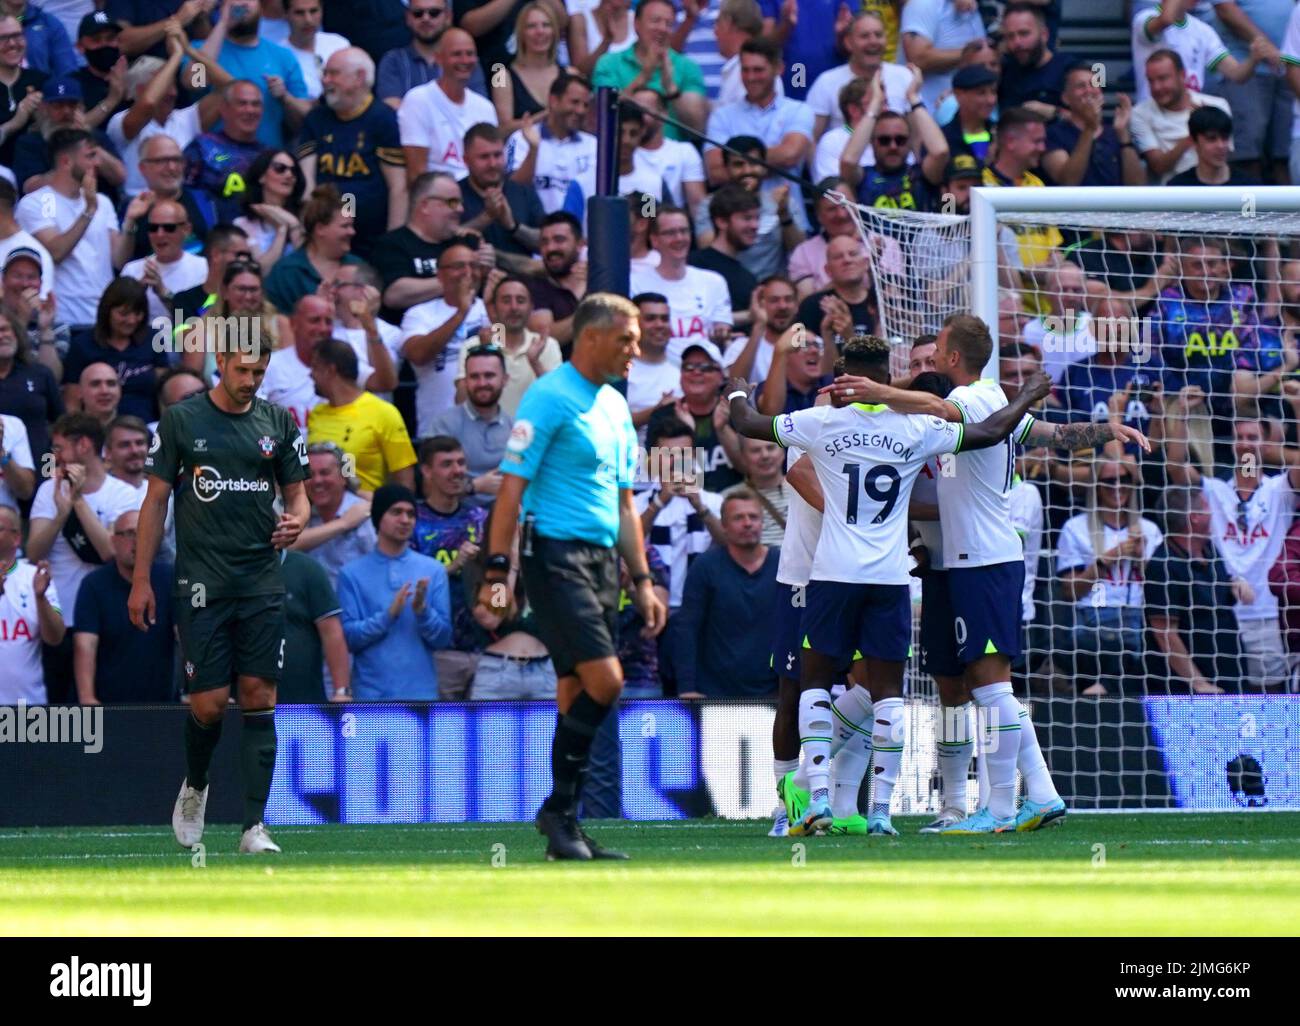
<point x="246" y="29"/>
<point x="1033" y="58"/>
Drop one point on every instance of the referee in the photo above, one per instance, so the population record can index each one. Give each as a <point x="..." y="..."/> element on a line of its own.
<point x="570" y="463"/>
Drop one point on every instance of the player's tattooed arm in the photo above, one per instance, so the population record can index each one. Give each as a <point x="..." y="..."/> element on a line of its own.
<point x="744" y="418"/>
<point x="993" y="429"/>
<point x="1082" y="435"/>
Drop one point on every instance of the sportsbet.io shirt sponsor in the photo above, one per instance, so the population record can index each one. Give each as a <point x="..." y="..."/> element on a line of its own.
<point x="224" y="468"/>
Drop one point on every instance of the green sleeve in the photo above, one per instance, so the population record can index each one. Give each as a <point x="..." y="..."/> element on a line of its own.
<point x="690" y="79"/>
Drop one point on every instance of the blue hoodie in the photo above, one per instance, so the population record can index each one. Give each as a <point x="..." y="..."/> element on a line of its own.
<point x="392" y="660"/>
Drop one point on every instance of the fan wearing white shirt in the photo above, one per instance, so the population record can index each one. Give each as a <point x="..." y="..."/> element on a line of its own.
<point x="865" y="43"/>
<point x="1250" y="513"/>
<point x="170" y="269"/>
<point x="1172" y="26"/>
<point x="434" y="117"/>
<point x="309" y="44"/>
<point x="675" y="165"/>
<point x="984" y="559"/>
<point x="17" y="471"/>
<point x="29" y="615"/>
<point x="557" y="155"/>
<point x="738" y="21"/>
<point x="435" y="331"/>
<point x="772" y="312"/>
<point x="654" y="380"/>
<point x="377" y="343"/>
<point x="858" y="599"/>
<point x="288" y="380"/>
<point x="698" y="299"/>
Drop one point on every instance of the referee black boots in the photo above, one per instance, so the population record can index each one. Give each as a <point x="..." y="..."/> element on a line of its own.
<point x="563" y="838"/>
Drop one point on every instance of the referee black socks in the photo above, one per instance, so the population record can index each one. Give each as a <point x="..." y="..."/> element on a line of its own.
<point x="257" y="762"/>
<point x="200" y="742"/>
<point x="574" y="734"/>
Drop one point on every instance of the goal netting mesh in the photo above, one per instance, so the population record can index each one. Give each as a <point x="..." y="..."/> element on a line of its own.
<point x="1158" y="656"/>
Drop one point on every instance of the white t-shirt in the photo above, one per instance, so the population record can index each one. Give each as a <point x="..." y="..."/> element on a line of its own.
<point x="68" y="570"/>
<point x="313" y="62"/>
<point x="16" y="444"/>
<point x="683" y="543"/>
<point x="762" y="357"/>
<point x="25" y="240"/>
<point x="803" y="526"/>
<point x="647" y="383"/>
<point x="389" y="334"/>
<point x="23" y="679"/>
<point x="866" y="462"/>
<point x="1155" y="128"/>
<point x="1250" y="555"/>
<point x="1027" y="519"/>
<point x="183" y="124"/>
<point x="731" y="88"/>
<point x="1291" y="55"/>
<point x="190" y="270"/>
<point x="975" y="491"/>
<point x="1192" y="39"/>
<point x="288" y="383"/>
<point x="1062" y="343"/>
<point x="83" y="275"/>
<point x="1122" y="585"/>
<point x="428" y="118"/>
<point x="824" y="96"/>
<point x="696" y="302"/>
<point x="640" y="179"/>
<point x="559" y="162"/>
<point x="436" y="380"/>
<point x="672" y="162"/>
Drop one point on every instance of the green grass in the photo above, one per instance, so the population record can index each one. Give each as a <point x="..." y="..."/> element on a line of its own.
<point x="1162" y="875"/>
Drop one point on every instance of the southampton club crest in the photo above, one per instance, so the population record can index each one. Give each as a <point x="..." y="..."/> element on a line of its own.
<point x="267" y="444"/>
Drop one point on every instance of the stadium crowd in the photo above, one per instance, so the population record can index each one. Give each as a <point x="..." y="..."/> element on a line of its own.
<point x="397" y="207"/>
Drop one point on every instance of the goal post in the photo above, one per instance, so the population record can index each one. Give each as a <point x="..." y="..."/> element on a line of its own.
<point x="1175" y="311"/>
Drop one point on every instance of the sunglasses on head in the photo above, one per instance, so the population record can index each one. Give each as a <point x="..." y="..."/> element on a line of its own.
<point x="243" y="266"/>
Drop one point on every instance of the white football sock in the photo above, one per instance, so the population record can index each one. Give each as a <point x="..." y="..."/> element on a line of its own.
<point x="887" y="738"/>
<point x="956" y="743"/>
<point x="815" y="732"/>
<point x="1001" y="746"/>
<point x="1032" y="765"/>
<point x="851" y="709"/>
<point x="780" y="767"/>
<point x="848" y="768"/>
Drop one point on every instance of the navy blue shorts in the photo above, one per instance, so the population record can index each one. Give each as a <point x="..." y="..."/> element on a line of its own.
<point x="938" y="639"/>
<point x="852" y="621"/>
<point x="787" y="629"/>
<point x="986" y="607"/>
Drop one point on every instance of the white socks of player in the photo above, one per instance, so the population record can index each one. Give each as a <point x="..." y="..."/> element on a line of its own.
<point x="780" y="767"/>
<point x="815" y="731"/>
<point x="1002" y="748"/>
<point x="887" y="739"/>
<point x="956" y="743"/>
<point x="851" y="749"/>
<point x="1032" y="766"/>
<point x="852" y="708"/>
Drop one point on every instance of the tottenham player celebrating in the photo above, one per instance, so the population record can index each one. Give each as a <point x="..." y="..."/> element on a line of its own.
<point x="866" y="458"/>
<point x="224" y="453"/>
<point x="984" y="565"/>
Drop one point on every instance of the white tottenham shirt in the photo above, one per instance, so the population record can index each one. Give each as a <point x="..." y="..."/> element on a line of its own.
<point x="15" y="443"/>
<point x="926" y="489"/>
<point x="1121" y="583"/>
<point x="436" y="380"/>
<point x="867" y="459"/>
<point x="696" y="302"/>
<point x="824" y="96"/>
<point x="975" y="489"/>
<point x="1251" y="553"/>
<point x="1027" y="518"/>
<point x="672" y="162"/>
<point x="679" y="533"/>
<point x="81" y="277"/>
<point x="108" y="502"/>
<point x="803" y="526"/>
<point x="559" y="162"/>
<point x="428" y="118"/>
<point x="288" y="383"/>
<point x="23" y="679"/>
<point x="1193" y="40"/>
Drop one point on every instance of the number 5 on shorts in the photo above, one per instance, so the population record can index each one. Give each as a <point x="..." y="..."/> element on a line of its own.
<point x="280" y="663"/>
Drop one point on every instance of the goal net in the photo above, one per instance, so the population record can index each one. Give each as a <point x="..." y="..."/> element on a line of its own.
<point x="1159" y="668"/>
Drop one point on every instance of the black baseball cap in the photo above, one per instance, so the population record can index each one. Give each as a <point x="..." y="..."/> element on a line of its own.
<point x="973" y="76"/>
<point x="95" y="23"/>
<point x="963" y="166"/>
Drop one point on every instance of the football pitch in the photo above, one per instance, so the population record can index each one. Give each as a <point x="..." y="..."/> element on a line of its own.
<point x="1155" y="874"/>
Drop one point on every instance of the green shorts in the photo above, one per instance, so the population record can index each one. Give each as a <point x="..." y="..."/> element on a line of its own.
<point x="230" y="638"/>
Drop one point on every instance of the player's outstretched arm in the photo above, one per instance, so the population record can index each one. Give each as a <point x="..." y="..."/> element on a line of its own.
<point x="852" y="389"/>
<point x="153" y="514"/>
<point x="744" y="418"/>
<point x="992" y="430"/>
<point x="1083" y="435"/>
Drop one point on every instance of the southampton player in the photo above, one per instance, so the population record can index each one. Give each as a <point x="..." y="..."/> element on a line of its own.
<point x="224" y="453"/>
<point x="866" y="458"/>
<point x="569" y="464"/>
<point x="984" y="565"/>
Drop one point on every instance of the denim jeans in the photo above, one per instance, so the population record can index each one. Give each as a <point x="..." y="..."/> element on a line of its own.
<point x="504" y="678"/>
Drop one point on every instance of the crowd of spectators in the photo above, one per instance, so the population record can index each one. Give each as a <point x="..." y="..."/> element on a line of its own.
<point x="391" y="195"/>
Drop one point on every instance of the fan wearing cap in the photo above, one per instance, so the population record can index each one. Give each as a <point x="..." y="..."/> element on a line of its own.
<point x="975" y="88"/>
<point x="1081" y="149"/>
<point x="103" y="79"/>
<point x="702" y="410"/>
<point x="20" y="86"/>
<point x="61" y="107"/>
<point x="49" y="50"/>
<point x="21" y="285"/>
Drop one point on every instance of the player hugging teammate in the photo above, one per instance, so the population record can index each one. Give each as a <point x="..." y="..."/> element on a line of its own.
<point x="867" y="447"/>
<point x="224" y="454"/>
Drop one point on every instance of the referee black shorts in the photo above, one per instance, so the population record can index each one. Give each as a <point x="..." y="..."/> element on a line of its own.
<point x="572" y="587"/>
